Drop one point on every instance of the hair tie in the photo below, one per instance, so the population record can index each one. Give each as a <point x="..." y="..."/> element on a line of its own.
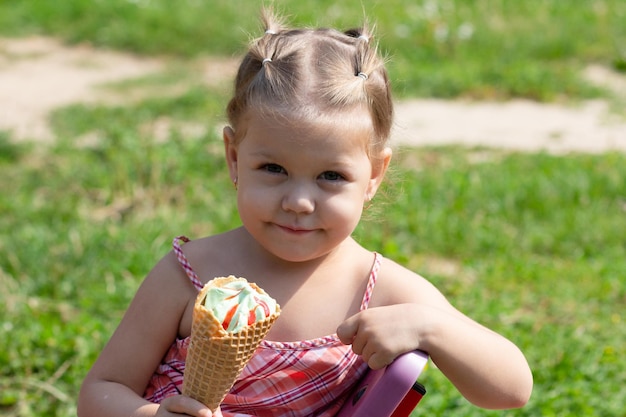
<point x="365" y="38"/>
<point x="362" y="75"/>
<point x="270" y="32"/>
<point x="266" y="60"/>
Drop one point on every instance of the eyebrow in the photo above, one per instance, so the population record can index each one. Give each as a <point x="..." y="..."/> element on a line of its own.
<point x="262" y="153"/>
<point x="330" y="164"/>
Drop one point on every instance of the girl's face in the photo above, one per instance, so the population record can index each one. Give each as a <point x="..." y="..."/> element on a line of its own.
<point x="302" y="187"/>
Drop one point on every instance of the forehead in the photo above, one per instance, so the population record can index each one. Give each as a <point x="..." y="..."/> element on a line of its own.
<point x="336" y="129"/>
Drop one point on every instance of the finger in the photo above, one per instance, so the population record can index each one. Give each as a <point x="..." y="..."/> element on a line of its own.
<point x="359" y="343"/>
<point x="347" y="330"/>
<point x="185" y="405"/>
<point x="378" y="360"/>
<point x="376" y="355"/>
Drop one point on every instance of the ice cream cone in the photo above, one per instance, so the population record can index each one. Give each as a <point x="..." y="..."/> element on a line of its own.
<point x="215" y="357"/>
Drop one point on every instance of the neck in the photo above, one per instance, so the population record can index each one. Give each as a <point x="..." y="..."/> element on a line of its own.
<point x="255" y="257"/>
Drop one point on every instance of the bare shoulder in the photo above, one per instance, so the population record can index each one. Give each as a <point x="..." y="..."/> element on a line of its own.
<point x="212" y="256"/>
<point x="397" y="284"/>
<point x="168" y="279"/>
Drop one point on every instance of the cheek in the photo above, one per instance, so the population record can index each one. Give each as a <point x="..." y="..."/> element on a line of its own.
<point x="347" y="208"/>
<point x="254" y="199"/>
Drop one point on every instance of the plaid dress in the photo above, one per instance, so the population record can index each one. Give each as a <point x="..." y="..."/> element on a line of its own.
<point x="283" y="379"/>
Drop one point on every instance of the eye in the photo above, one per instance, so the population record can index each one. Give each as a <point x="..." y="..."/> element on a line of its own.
<point x="274" y="169"/>
<point x="331" y="176"/>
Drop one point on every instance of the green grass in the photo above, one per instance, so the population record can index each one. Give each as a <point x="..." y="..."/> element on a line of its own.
<point x="530" y="244"/>
<point x="447" y="48"/>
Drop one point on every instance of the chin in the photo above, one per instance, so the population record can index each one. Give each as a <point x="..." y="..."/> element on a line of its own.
<point x="295" y="256"/>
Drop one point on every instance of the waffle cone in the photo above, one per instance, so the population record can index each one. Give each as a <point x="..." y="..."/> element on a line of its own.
<point x="215" y="358"/>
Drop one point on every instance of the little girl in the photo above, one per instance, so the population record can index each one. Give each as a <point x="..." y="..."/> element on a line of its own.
<point x="306" y="150"/>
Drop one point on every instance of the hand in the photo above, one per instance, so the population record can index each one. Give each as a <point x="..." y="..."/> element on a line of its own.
<point x="381" y="334"/>
<point x="181" y="405"/>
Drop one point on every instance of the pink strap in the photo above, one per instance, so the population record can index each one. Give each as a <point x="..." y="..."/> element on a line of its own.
<point x="372" y="281"/>
<point x="182" y="259"/>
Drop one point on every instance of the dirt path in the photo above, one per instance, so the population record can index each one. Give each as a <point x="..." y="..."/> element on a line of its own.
<point x="38" y="75"/>
<point x="519" y="124"/>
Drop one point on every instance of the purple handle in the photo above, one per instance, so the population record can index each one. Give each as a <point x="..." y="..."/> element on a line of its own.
<point x="380" y="392"/>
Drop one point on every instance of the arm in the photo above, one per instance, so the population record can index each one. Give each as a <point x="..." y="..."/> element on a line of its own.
<point x="486" y="368"/>
<point x="117" y="380"/>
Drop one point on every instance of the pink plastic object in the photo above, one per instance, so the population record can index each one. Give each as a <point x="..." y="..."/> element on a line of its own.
<point x="389" y="392"/>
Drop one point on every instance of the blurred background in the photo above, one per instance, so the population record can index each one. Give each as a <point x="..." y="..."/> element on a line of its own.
<point x="110" y="118"/>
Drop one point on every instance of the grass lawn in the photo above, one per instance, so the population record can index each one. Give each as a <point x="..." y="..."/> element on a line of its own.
<point x="444" y="48"/>
<point x="532" y="245"/>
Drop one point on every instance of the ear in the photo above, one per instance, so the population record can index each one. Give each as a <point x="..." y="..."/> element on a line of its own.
<point x="231" y="152"/>
<point x="379" y="168"/>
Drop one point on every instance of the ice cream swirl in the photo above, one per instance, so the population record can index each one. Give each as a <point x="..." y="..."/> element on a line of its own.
<point x="238" y="304"/>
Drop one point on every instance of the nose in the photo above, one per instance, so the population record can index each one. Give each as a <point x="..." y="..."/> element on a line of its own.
<point x="299" y="198"/>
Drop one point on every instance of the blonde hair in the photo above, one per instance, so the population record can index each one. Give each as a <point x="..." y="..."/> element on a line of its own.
<point x="311" y="73"/>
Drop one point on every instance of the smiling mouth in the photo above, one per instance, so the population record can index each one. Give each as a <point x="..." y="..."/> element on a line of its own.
<point x="295" y="230"/>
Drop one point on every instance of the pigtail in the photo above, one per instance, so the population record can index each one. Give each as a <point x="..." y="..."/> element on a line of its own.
<point x="307" y="71"/>
<point x="341" y="69"/>
<point x="267" y="72"/>
<point x="361" y="79"/>
<point x="366" y="56"/>
<point x="273" y="23"/>
<point x="376" y="85"/>
<point x="277" y="75"/>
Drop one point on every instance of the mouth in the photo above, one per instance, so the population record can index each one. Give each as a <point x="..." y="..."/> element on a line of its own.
<point x="294" y="230"/>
